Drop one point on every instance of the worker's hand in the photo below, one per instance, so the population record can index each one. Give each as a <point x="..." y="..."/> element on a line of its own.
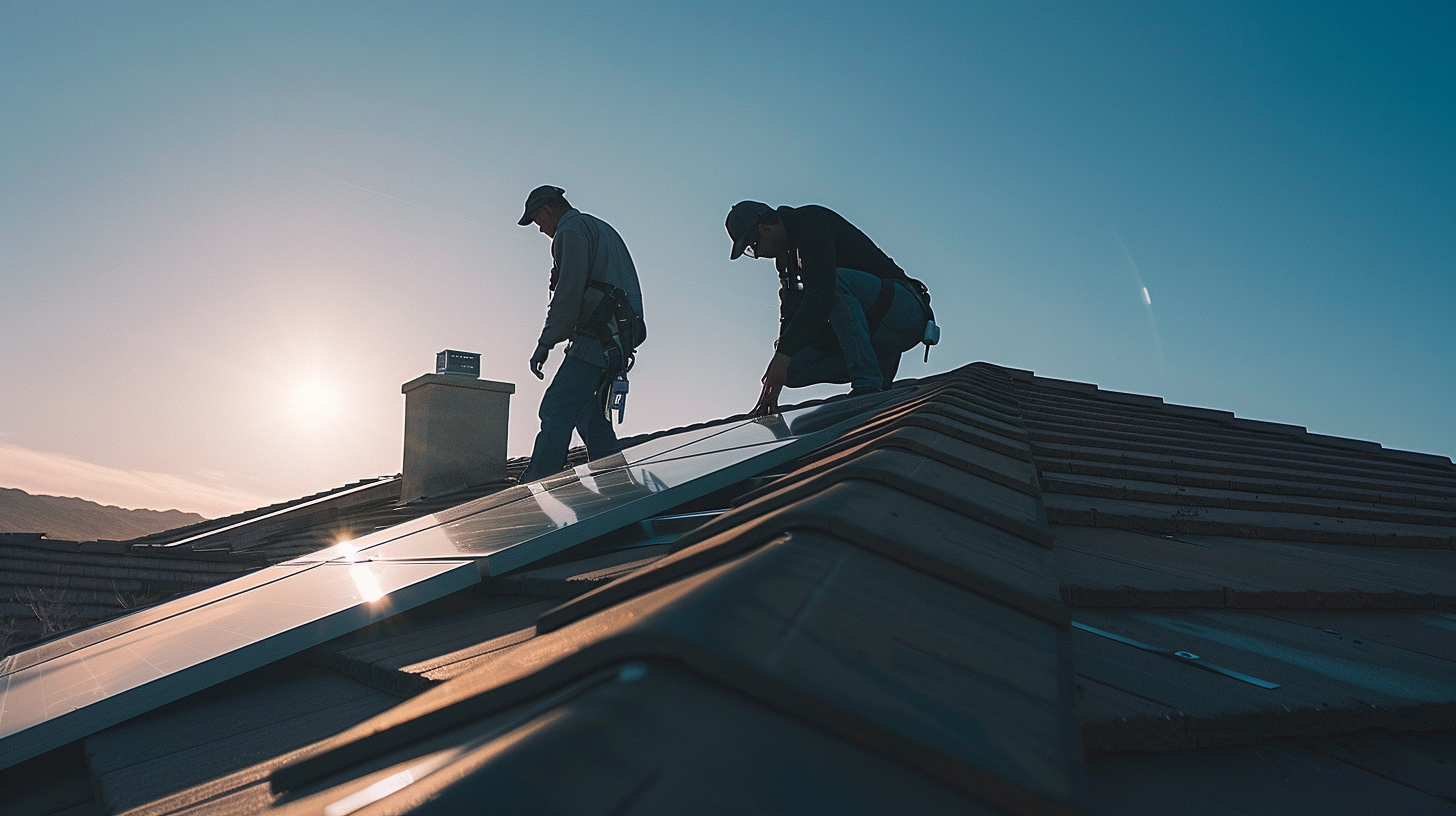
<point x="773" y="382"/>
<point x="768" y="403"/>
<point x="539" y="359"/>
<point x="777" y="374"/>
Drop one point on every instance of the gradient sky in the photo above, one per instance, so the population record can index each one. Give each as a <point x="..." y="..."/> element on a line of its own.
<point x="230" y="232"/>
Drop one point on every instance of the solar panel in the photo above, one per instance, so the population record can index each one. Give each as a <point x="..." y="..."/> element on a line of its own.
<point x="74" y="694"/>
<point x="550" y="521"/>
<point x="521" y="525"/>
<point x="687" y="443"/>
<point x="72" y="687"/>
<point x="651" y="455"/>
<point x="142" y="617"/>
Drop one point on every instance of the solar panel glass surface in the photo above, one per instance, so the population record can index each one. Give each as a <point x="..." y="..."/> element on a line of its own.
<point x="142" y="617"/>
<point x="579" y="510"/>
<point x="70" y="695"/>
<point x="644" y="460"/>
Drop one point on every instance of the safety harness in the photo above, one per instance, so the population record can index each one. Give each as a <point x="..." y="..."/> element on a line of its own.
<point x="619" y="331"/>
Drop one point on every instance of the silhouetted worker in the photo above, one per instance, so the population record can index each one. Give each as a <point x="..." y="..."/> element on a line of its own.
<point x="846" y="311"/>
<point x="596" y="307"/>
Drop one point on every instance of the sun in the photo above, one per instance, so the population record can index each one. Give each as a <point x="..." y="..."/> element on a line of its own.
<point x="314" y="402"/>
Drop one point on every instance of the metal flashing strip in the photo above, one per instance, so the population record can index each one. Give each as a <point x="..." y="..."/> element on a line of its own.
<point x="1182" y="657"/>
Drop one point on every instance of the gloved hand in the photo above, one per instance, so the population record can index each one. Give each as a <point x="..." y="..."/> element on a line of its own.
<point x="539" y="359"/>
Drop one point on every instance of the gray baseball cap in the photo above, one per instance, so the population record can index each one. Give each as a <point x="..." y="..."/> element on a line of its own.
<point x="537" y="199"/>
<point x="742" y="224"/>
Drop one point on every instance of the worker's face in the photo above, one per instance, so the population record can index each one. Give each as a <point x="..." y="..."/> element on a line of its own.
<point x="773" y="241"/>
<point x="545" y="220"/>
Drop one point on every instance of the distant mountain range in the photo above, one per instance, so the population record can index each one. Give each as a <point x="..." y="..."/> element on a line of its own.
<point x="81" y="520"/>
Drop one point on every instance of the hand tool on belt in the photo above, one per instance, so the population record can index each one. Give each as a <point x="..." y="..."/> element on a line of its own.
<point x="620" y="331"/>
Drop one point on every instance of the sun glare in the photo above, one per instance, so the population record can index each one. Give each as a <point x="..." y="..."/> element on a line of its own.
<point x="313" y="402"/>
<point x="366" y="583"/>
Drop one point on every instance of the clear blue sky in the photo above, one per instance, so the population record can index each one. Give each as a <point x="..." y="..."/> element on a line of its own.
<point x="229" y="232"/>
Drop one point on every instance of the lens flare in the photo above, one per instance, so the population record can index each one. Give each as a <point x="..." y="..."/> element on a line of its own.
<point x="1147" y="305"/>
<point x="366" y="583"/>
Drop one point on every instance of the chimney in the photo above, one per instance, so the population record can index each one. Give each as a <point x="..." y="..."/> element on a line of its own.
<point x="455" y="428"/>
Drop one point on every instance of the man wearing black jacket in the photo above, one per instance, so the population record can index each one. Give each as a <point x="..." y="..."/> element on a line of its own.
<point x="846" y="311"/>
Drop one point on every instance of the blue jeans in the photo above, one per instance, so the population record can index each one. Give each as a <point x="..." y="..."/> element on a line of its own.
<point x="861" y="360"/>
<point x="571" y="401"/>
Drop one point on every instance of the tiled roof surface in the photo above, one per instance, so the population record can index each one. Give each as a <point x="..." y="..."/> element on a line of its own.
<point x="1004" y="594"/>
<point x="1188" y="539"/>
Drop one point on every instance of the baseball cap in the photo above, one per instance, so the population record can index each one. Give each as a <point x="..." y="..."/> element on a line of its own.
<point x="537" y="199"/>
<point x="742" y="224"/>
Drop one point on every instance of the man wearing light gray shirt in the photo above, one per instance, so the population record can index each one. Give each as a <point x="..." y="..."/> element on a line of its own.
<point x="589" y="262"/>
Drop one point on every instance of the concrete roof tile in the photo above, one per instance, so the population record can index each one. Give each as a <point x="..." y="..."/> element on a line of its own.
<point x="1273" y="778"/>
<point x="836" y="661"/>
<point x="1117" y="568"/>
<point x="1326" y="682"/>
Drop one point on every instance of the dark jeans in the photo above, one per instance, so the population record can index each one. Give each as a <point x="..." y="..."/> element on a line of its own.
<point x="571" y="401"/>
<point x="861" y="359"/>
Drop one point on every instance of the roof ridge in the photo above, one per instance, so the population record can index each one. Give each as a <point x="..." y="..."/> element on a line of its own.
<point x="1227" y="418"/>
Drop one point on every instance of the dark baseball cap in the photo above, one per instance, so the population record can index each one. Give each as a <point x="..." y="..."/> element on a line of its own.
<point x="537" y="199"/>
<point x="742" y="224"/>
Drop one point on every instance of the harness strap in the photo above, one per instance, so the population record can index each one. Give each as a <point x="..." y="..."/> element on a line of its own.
<point x="629" y="330"/>
<point x="619" y="331"/>
<point x="881" y="306"/>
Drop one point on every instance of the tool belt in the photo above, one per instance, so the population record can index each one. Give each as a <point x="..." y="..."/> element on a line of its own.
<point x="620" y="331"/>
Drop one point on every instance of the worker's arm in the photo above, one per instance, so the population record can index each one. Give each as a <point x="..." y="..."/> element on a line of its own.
<point x="569" y="252"/>
<point x="816" y="255"/>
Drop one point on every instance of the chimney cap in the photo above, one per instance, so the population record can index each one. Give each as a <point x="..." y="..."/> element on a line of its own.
<point x="458" y="363"/>
<point x="457" y="381"/>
